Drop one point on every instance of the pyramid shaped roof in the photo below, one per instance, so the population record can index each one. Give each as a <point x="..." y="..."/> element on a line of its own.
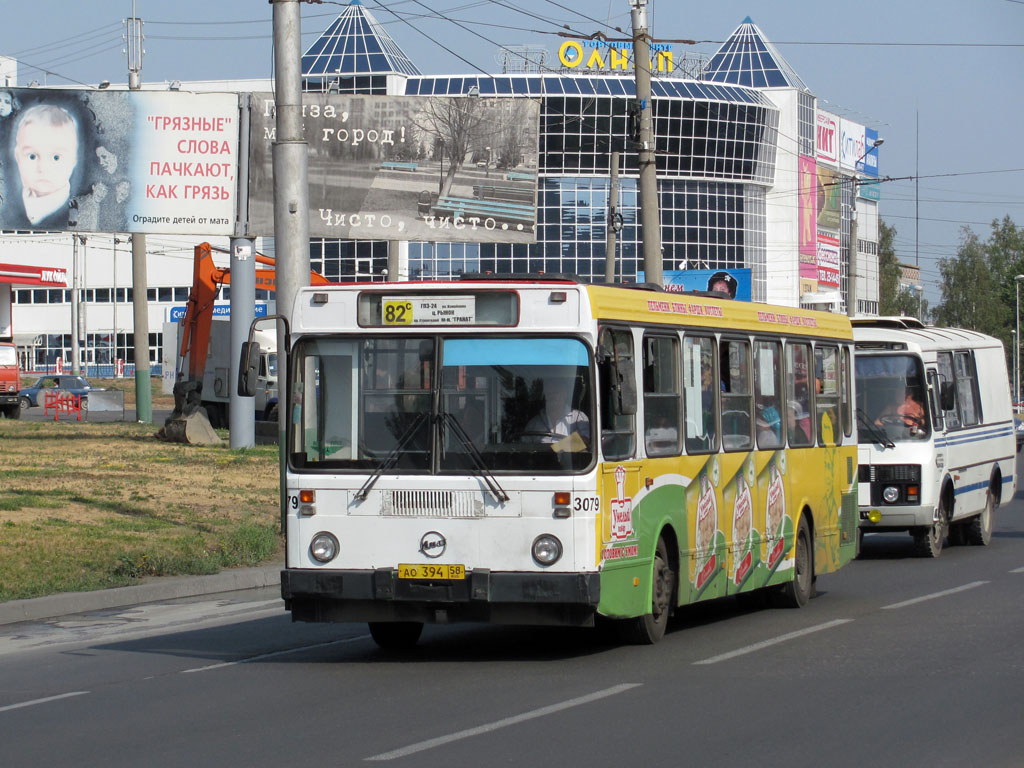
<point x="748" y="58"/>
<point x="355" y="44"/>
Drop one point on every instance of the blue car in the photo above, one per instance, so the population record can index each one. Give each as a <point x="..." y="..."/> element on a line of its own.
<point x="35" y="395"/>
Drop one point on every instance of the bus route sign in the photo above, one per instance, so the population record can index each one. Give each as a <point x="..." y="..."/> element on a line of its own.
<point x="435" y="310"/>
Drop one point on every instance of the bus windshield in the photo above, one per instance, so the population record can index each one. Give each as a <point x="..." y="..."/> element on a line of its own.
<point x="436" y="404"/>
<point x="891" y="398"/>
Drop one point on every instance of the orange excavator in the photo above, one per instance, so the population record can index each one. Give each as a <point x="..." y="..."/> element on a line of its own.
<point x="189" y="423"/>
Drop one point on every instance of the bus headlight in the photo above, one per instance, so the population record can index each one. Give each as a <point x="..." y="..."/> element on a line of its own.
<point x="890" y="493"/>
<point x="546" y="549"/>
<point x="324" y="547"/>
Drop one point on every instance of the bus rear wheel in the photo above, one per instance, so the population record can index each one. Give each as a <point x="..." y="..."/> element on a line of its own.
<point x="798" y="592"/>
<point x="650" y="628"/>
<point x="979" y="530"/>
<point x="396" y="635"/>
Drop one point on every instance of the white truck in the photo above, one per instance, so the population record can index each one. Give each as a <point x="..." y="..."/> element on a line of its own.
<point x="216" y="374"/>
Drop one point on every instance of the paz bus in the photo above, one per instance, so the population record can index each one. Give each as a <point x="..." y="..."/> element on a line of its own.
<point x="937" y="444"/>
<point x="704" y="447"/>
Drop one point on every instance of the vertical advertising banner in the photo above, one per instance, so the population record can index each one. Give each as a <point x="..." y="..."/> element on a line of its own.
<point x="431" y="168"/>
<point x="807" y="181"/>
<point x="118" y="161"/>
<point x="829" y="198"/>
<point x="828" y="260"/>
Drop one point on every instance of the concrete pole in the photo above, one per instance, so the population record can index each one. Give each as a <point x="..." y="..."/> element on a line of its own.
<point x="241" y="410"/>
<point x="291" y="196"/>
<point x="851" y="293"/>
<point x="650" y="219"/>
<point x="613" y="211"/>
<point x="140" y="282"/>
<point x="75" y="300"/>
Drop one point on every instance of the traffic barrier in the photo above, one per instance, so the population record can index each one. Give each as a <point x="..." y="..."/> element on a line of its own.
<point x="62" y="402"/>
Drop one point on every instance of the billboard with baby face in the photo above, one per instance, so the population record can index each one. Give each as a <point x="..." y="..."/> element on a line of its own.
<point x="118" y="161"/>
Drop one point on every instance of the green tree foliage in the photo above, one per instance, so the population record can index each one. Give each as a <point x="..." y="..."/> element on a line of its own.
<point x="892" y="298"/>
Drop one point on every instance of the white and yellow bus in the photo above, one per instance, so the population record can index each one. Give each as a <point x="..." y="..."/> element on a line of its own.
<point x="547" y="452"/>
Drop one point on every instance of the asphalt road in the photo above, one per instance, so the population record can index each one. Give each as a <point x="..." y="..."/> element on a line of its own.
<point x="899" y="661"/>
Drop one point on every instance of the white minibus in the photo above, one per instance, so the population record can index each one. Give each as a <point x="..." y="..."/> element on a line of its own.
<point x="936" y="431"/>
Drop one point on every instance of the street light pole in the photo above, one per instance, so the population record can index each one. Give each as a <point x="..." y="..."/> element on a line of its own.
<point x="851" y="273"/>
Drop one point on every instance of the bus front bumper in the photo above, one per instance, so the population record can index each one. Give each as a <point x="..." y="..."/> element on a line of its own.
<point x="896" y="517"/>
<point x="558" y="599"/>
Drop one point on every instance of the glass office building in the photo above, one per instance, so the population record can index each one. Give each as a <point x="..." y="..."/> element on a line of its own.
<point x="717" y="143"/>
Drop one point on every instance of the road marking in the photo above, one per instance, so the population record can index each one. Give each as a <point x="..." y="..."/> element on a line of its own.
<point x="933" y="595"/>
<point x="774" y="641"/>
<point x="42" y="701"/>
<point x="273" y="654"/>
<point x="503" y="723"/>
<point x="1017" y="570"/>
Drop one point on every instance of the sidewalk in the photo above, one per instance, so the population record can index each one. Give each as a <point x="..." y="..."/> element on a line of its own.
<point x="163" y="588"/>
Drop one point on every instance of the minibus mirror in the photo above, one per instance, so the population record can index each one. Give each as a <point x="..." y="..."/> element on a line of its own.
<point x="948" y="397"/>
<point x="248" y="369"/>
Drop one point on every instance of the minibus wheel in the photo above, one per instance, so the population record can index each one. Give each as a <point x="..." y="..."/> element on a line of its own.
<point x="928" y="538"/>
<point x="979" y="531"/>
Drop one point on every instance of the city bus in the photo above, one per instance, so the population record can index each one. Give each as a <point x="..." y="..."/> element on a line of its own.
<point x="546" y="452"/>
<point x="937" y="442"/>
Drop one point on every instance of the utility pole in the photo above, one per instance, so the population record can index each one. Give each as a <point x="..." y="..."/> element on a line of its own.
<point x="613" y="225"/>
<point x="851" y="292"/>
<point x="291" y="196"/>
<point x="140" y="285"/>
<point x="241" y="410"/>
<point x="650" y="219"/>
<point x="75" y="298"/>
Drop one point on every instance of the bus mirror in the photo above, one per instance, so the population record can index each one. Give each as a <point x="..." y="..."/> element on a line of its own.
<point x="248" y="369"/>
<point x="948" y="396"/>
<point x="624" y="400"/>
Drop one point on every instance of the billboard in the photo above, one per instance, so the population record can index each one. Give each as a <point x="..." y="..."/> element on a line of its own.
<point x="857" y="150"/>
<point x="828" y="260"/>
<point x="430" y="168"/>
<point x="736" y="281"/>
<point x="807" y="181"/>
<point x="829" y="198"/>
<point x="826" y="142"/>
<point x="118" y="161"/>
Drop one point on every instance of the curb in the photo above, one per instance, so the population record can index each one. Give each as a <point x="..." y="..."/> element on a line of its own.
<point x="165" y="588"/>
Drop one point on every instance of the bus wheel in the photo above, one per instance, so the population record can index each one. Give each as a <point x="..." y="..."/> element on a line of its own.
<point x="928" y="539"/>
<point x="979" y="530"/>
<point x="395" y="635"/>
<point x="797" y="593"/>
<point x="650" y="628"/>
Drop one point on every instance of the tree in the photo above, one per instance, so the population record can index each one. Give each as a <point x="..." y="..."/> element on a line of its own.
<point x="971" y="295"/>
<point x="893" y="298"/>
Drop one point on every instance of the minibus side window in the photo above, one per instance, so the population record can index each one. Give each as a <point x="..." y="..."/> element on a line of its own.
<point x="967" y="389"/>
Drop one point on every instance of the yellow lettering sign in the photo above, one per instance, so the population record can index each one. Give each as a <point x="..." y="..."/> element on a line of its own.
<point x="577" y="54"/>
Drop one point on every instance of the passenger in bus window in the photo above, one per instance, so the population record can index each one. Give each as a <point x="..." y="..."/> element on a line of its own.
<point x="769" y="426"/>
<point x="558" y="419"/>
<point x="798" y="424"/>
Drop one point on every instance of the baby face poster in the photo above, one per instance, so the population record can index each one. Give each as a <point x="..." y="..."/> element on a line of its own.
<point x="118" y="161"/>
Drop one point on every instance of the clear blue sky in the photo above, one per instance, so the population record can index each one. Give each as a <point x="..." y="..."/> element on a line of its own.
<point x="953" y="66"/>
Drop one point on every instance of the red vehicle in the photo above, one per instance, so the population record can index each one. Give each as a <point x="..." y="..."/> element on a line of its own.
<point x="10" y="380"/>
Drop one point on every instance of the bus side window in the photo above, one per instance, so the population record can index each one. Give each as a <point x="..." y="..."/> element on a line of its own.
<point x="826" y="398"/>
<point x="768" y="393"/>
<point x="799" y="424"/>
<point x="737" y="395"/>
<point x="967" y="388"/>
<point x="618" y="393"/>
<point x="700" y="393"/>
<point x="661" y="395"/>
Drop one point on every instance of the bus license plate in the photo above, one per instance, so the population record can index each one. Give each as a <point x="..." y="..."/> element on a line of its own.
<point x="435" y="571"/>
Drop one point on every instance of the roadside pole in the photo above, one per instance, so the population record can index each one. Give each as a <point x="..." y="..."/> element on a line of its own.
<point x="291" y="196"/>
<point x="649" y="214"/>
<point x="140" y="284"/>
<point x="612" y="226"/>
<point x="241" y="410"/>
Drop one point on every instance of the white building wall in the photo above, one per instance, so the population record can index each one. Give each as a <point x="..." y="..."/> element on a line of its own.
<point x="782" y="206"/>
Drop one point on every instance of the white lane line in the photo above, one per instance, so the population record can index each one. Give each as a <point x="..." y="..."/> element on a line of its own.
<point x="42" y="701"/>
<point x="503" y="723"/>
<point x="933" y="595"/>
<point x="1017" y="570"/>
<point x="272" y="655"/>
<point x="773" y="641"/>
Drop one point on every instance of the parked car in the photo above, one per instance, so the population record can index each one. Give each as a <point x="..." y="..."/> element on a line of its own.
<point x="35" y="395"/>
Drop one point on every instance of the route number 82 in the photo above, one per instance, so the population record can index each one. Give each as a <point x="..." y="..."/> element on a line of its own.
<point x="397" y="313"/>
